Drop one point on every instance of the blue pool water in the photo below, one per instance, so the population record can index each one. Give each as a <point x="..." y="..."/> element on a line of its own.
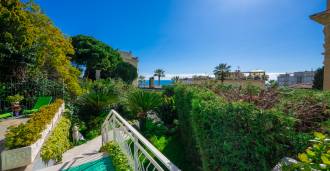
<point x="104" y="164"/>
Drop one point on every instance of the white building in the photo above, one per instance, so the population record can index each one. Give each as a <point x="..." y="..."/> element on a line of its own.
<point x="289" y="79"/>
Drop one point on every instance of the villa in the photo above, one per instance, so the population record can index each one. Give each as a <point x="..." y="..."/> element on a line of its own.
<point x="297" y="78"/>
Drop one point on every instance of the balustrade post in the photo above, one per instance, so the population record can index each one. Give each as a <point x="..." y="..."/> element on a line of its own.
<point x="136" y="154"/>
<point x="113" y="119"/>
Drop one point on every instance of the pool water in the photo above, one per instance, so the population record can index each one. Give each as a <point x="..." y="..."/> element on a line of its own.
<point x="104" y="164"/>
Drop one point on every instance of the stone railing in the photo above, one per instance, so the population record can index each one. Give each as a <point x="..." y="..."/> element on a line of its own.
<point x="24" y="156"/>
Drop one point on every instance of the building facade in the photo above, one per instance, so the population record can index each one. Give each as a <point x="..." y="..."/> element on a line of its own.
<point x="324" y="19"/>
<point x="290" y="79"/>
<point x="128" y="57"/>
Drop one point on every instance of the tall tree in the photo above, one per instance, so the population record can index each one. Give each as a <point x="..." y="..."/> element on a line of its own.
<point x="95" y="55"/>
<point x="126" y="72"/>
<point x="222" y="71"/>
<point x="29" y="41"/>
<point x="159" y="73"/>
<point x="318" y="79"/>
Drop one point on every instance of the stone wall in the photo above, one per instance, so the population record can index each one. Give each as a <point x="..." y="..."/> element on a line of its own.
<point x="326" y="82"/>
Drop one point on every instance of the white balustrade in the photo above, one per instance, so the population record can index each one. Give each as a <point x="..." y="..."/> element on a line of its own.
<point x="142" y="155"/>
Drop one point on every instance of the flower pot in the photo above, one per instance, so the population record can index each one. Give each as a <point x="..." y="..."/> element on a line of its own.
<point x="16" y="108"/>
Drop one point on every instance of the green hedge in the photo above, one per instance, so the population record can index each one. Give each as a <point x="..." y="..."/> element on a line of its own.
<point x="118" y="158"/>
<point x="58" y="142"/>
<point x="231" y="136"/>
<point x="26" y="134"/>
<point x="183" y="102"/>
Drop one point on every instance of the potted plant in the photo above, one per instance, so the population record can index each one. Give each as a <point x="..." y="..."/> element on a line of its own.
<point x="15" y="103"/>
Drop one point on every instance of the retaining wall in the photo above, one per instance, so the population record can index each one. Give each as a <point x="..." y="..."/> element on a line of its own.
<point x="24" y="156"/>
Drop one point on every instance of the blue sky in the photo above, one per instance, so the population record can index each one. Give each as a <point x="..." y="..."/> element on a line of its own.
<point x="193" y="36"/>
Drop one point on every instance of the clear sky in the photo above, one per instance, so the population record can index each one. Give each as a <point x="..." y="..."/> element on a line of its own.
<point x="193" y="36"/>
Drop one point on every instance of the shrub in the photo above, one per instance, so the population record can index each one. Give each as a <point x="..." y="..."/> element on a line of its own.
<point x="28" y="133"/>
<point x="316" y="157"/>
<point x="140" y="102"/>
<point x="167" y="111"/>
<point x="92" y="134"/>
<point x="237" y="136"/>
<point x="232" y="135"/>
<point x="119" y="159"/>
<point x="15" y="98"/>
<point x="100" y="96"/>
<point x="58" y="142"/>
<point x="160" y="142"/>
<point x="311" y="108"/>
<point x="125" y="71"/>
<point x="154" y="128"/>
<point x="183" y="100"/>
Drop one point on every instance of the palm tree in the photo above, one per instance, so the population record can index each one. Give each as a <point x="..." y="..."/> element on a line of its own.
<point x="175" y="79"/>
<point x="142" y="80"/>
<point x="140" y="102"/>
<point x="159" y="73"/>
<point x="221" y="71"/>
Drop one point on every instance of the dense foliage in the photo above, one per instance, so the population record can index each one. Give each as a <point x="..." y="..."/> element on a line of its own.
<point x="316" y="157"/>
<point x="15" y="98"/>
<point x="118" y="158"/>
<point x="95" y="55"/>
<point x="30" y="43"/>
<point x="126" y="72"/>
<point x="309" y="107"/>
<point x="233" y="136"/>
<point x="141" y="102"/>
<point x="318" y="79"/>
<point x="167" y="110"/>
<point x="58" y="142"/>
<point x="183" y="100"/>
<point x="28" y="133"/>
<point x="100" y="96"/>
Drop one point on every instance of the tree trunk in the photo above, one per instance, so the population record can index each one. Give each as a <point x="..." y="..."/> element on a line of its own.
<point x="142" y="123"/>
<point x="158" y="80"/>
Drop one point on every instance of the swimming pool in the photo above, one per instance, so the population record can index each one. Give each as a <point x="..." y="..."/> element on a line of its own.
<point x="104" y="164"/>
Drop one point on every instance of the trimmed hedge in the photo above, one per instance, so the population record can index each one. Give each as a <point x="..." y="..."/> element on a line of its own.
<point x="183" y="102"/>
<point x="26" y="134"/>
<point x="231" y="136"/>
<point x="58" y="142"/>
<point x="118" y="158"/>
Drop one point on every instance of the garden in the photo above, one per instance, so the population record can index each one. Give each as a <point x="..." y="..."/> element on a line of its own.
<point x="212" y="126"/>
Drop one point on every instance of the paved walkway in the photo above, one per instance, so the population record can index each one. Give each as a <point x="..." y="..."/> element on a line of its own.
<point x="79" y="155"/>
